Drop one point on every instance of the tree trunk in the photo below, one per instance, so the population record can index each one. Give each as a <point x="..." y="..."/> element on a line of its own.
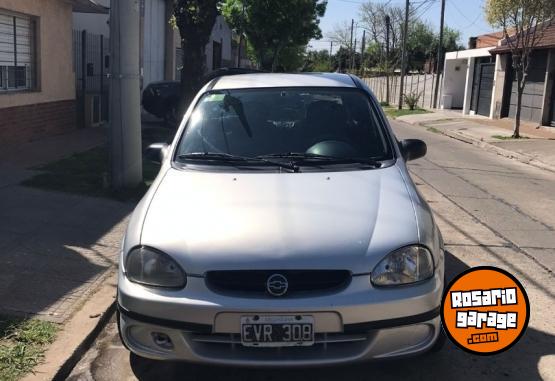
<point x="520" y="91"/>
<point x="275" y="58"/>
<point x="516" y="131"/>
<point x="192" y="72"/>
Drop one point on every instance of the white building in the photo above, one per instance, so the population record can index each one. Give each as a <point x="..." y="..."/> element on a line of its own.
<point x="468" y="81"/>
<point x="160" y="43"/>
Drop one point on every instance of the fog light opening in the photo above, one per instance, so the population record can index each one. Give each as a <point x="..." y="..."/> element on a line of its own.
<point x="162" y="340"/>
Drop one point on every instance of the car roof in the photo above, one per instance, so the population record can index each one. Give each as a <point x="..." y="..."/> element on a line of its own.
<point x="258" y="80"/>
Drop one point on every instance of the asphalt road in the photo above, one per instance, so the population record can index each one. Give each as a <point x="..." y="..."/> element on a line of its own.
<point x="492" y="211"/>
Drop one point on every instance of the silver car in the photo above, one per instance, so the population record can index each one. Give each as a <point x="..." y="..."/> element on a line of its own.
<point x="282" y="230"/>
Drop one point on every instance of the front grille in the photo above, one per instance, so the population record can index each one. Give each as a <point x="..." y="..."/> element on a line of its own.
<point x="327" y="346"/>
<point x="300" y="282"/>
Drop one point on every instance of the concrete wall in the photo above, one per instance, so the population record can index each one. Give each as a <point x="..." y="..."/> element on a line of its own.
<point x="455" y="80"/>
<point x="499" y="90"/>
<point x="55" y="79"/>
<point x="154" y="35"/>
<point x="93" y="23"/>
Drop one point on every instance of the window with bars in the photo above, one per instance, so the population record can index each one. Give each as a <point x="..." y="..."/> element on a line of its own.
<point x="17" y="48"/>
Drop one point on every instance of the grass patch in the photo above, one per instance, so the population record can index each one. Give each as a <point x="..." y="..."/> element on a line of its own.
<point x="22" y="345"/>
<point x="434" y="130"/>
<point x="88" y="172"/>
<point x="394" y="113"/>
<point x="504" y="137"/>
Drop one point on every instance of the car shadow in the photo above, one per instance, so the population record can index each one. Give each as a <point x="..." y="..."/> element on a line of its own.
<point x="520" y="362"/>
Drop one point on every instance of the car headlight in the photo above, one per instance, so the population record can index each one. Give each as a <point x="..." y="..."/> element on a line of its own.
<point x="153" y="268"/>
<point x="407" y="265"/>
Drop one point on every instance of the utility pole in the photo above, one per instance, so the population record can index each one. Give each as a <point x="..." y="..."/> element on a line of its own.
<point x="353" y="61"/>
<point x="331" y="49"/>
<point x="439" y="53"/>
<point x="351" y="44"/>
<point x="404" y="56"/>
<point x="387" y="22"/>
<point x="362" y="47"/>
<point x="125" y="112"/>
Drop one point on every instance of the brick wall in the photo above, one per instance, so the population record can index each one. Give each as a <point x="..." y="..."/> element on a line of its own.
<point x="21" y="124"/>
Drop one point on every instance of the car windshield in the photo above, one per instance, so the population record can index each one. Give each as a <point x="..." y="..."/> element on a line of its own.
<point x="303" y="124"/>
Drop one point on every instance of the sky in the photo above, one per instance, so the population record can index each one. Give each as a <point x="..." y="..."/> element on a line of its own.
<point x="467" y="16"/>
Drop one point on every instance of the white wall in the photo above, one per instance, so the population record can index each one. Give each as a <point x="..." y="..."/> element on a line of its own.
<point x="154" y="41"/>
<point x="455" y="80"/>
<point x="221" y="33"/>
<point x="92" y="22"/>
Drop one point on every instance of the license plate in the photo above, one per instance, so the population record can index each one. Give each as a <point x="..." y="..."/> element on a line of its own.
<point x="277" y="331"/>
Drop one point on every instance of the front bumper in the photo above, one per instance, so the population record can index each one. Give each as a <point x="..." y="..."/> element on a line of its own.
<point x="357" y="324"/>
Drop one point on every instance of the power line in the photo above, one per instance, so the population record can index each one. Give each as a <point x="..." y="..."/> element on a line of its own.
<point x="459" y="11"/>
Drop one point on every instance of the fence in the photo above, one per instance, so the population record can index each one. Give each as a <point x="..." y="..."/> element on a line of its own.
<point x="423" y="84"/>
<point x="91" y="63"/>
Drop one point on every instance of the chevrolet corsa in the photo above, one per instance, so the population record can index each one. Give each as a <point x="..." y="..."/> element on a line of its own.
<point x="282" y="230"/>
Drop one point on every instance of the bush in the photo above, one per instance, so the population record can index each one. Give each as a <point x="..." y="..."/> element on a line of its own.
<point x="384" y="104"/>
<point x="412" y="99"/>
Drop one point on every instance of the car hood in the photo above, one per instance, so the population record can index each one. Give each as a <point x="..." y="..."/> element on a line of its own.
<point x="228" y="221"/>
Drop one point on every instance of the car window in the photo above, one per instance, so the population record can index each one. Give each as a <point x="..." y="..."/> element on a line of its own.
<point x="257" y="122"/>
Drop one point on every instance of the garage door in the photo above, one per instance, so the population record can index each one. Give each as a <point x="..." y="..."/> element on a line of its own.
<point x="485" y="88"/>
<point x="532" y="98"/>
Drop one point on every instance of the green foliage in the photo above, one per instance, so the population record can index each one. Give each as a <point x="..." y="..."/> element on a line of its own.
<point x="394" y="113"/>
<point x="22" y="345"/>
<point x="272" y="27"/>
<point x="87" y="172"/>
<point x="412" y="99"/>
<point x="317" y="61"/>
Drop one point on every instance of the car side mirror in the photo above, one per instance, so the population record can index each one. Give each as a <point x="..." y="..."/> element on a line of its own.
<point x="413" y="149"/>
<point x="156" y="152"/>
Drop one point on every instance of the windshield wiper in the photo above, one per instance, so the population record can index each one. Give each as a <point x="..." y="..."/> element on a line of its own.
<point x="301" y="157"/>
<point x="227" y="157"/>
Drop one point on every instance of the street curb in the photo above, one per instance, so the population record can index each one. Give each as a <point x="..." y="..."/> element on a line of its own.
<point x="521" y="157"/>
<point x="78" y="334"/>
<point x="65" y="369"/>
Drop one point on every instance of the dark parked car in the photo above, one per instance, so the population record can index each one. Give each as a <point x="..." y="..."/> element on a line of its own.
<point x="161" y="99"/>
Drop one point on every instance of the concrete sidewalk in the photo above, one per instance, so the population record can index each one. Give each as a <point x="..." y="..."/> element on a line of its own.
<point x="537" y="148"/>
<point x="55" y="248"/>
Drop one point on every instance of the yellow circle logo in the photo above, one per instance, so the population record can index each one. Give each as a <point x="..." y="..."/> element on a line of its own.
<point x="485" y="310"/>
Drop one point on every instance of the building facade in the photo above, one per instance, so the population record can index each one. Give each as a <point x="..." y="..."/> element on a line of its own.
<point x="37" y="95"/>
<point x="481" y="81"/>
<point x="538" y="100"/>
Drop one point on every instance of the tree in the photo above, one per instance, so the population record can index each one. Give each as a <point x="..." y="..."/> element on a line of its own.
<point x="271" y="26"/>
<point x="194" y="19"/>
<point x="523" y="23"/>
<point x="372" y="18"/>
<point x="341" y="34"/>
<point x="317" y="61"/>
<point x="420" y="43"/>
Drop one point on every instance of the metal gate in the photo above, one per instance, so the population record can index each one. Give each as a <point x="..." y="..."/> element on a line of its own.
<point x="485" y="88"/>
<point x="91" y="62"/>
